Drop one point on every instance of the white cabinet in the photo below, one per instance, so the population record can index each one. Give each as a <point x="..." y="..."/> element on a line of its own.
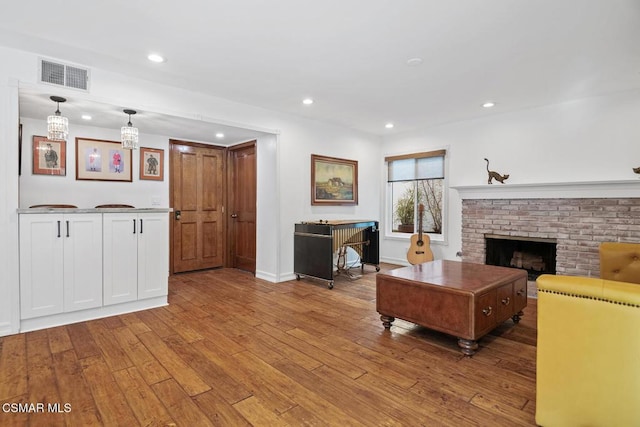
<point x="60" y="263"/>
<point x="136" y="256"/>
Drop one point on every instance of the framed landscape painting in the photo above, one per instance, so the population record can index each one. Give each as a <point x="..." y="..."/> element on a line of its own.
<point x="98" y="160"/>
<point x="49" y="157"/>
<point x="334" y="181"/>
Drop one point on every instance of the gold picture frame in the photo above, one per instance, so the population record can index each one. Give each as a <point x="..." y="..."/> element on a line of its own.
<point x="152" y="164"/>
<point x="99" y="160"/>
<point x="49" y="157"/>
<point x="334" y="181"/>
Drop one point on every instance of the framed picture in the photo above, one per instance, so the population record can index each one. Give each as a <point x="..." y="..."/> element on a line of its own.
<point x="49" y="157"/>
<point x="98" y="160"/>
<point x="152" y="164"/>
<point x="334" y="181"/>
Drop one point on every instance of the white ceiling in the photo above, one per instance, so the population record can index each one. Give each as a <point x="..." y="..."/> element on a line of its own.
<point x="350" y="56"/>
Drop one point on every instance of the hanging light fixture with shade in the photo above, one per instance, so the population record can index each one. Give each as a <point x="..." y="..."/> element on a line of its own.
<point x="57" y="125"/>
<point x="129" y="134"/>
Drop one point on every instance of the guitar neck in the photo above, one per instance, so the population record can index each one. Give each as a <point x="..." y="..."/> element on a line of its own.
<point x="420" y="212"/>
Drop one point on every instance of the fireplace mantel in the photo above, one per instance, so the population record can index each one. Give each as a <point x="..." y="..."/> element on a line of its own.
<point x="551" y="190"/>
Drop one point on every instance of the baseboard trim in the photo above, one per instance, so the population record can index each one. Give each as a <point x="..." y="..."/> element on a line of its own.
<point x="397" y="261"/>
<point x="269" y="277"/>
<point x="27" y="325"/>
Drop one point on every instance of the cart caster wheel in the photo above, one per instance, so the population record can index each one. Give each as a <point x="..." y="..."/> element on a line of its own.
<point x="297" y="277"/>
<point x="330" y="285"/>
<point x="377" y="269"/>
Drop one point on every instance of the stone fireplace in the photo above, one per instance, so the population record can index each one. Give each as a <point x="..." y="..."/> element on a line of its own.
<point x="576" y="216"/>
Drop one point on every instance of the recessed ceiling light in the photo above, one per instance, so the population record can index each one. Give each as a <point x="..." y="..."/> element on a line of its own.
<point x="488" y="104"/>
<point x="86" y="117"/>
<point x="154" y="57"/>
<point x="414" y="62"/>
<point x="307" y="101"/>
<point x="219" y="135"/>
<point x="389" y="125"/>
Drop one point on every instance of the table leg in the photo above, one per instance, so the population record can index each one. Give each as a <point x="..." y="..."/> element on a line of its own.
<point x="386" y="321"/>
<point x="468" y="347"/>
<point x="516" y="317"/>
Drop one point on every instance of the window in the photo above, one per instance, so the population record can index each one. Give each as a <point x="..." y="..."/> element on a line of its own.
<point x="414" y="180"/>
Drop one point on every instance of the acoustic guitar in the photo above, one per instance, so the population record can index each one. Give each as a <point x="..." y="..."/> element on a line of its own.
<point x="419" y="251"/>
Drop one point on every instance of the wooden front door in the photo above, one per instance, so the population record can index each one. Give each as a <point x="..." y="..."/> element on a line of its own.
<point x="197" y="201"/>
<point x="242" y="206"/>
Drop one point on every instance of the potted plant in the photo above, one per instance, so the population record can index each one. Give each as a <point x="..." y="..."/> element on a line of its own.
<point x="405" y="211"/>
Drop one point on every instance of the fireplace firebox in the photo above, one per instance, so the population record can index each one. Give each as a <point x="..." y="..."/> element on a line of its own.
<point x="537" y="256"/>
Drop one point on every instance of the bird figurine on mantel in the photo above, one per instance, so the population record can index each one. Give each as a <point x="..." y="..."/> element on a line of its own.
<point x="636" y="170"/>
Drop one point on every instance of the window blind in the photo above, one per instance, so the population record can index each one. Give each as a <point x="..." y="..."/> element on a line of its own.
<point x="416" y="166"/>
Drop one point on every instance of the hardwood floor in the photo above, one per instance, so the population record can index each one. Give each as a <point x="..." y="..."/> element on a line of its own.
<point x="232" y="350"/>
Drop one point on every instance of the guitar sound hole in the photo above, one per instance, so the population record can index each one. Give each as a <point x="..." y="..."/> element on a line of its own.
<point x="420" y="243"/>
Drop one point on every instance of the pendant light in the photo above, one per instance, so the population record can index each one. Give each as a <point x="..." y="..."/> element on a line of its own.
<point x="57" y="125"/>
<point x="129" y="134"/>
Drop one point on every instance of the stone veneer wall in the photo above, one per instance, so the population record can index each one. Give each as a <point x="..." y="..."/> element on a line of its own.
<point x="578" y="225"/>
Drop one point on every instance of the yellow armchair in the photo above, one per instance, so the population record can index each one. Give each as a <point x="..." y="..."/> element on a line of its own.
<point x="620" y="261"/>
<point x="588" y="352"/>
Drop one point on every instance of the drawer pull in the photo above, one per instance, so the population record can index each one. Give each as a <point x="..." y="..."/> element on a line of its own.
<point x="520" y="292"/>
<point x="487" y="311"/>
<point x="506" y="301"/>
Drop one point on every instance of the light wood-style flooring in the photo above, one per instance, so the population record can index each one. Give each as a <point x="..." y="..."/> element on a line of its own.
<point x="232" y="350"/>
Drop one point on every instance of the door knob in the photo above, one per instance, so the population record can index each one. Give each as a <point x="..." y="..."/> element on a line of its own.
<point x="177" y="215"/>
<point x="234" y="215"/>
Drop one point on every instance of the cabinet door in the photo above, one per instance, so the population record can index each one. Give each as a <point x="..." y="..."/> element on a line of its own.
<point x="153" y="255"/>
<point x="82" y="236"/>
<point x="120" y="268"/>
<point x="41" y="265"/>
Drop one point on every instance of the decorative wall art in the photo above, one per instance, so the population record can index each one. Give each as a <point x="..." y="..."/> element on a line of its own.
<point x="49" y="157"/>
<point x="151" y="164"/>
<point x="334" y="181"/>
<point x="98" y="160"/>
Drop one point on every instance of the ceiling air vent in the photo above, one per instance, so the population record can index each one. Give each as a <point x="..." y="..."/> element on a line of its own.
<point x="64" y="75"/>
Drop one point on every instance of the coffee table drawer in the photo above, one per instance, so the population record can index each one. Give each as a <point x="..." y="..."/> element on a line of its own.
<point x="504" y="303"/>
<point x="485" y="314"/>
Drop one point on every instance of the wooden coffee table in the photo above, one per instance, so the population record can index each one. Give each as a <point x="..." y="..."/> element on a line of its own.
<point x="462" y="299"/>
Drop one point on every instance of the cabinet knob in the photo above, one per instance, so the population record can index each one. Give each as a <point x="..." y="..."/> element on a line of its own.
<point x="506" y="301"/>
<point x="487" y="311"/>
<point x="520" y="292"/>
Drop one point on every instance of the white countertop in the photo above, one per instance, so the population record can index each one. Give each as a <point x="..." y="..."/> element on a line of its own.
<point x="90" y="210"/>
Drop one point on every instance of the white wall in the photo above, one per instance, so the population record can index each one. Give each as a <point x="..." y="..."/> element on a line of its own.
<point x="306" y="138"/>
<point x="594" y="139"/>
<point x="267" y="225"/>
<point x="9" y="302"/>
